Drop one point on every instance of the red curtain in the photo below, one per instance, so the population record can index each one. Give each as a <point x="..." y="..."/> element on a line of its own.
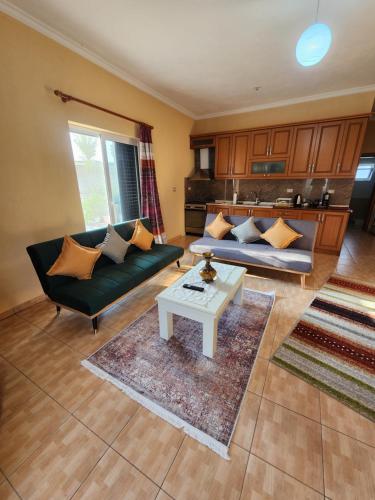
<point x="149" y="188"/>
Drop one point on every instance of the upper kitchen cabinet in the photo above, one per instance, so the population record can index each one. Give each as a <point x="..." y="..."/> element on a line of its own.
<point x="302" y="150"/>
<point x="327" y="149"/>
<point x="231" y="156"/>
<point x="350" y="150"/>
<point x="270" y="143"/>
<point x="319" y="149"/>
<point x="269" y="152"/>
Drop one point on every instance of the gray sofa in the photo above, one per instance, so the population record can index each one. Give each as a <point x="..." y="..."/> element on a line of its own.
<point x="298" y="258"/>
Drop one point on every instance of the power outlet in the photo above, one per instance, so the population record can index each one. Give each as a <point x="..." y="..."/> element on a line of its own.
<point x="289" y="190"/>
<point x="174" y="189"/>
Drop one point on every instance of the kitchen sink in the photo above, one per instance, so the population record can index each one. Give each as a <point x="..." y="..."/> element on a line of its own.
<point x="255" y="204"/>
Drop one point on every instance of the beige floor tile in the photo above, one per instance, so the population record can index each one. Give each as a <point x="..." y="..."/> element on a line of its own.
<point x="113" y="478"/>
<point x="200" y="474"/>
<point x="7" y="492"/>
<point x="15" y="333"/>
<point x="59" y="466"/>
<point x="72" y="385"/>
<point x="290" y="442"/>
<point x="43" y="314"/>
<point x="265" y="349"/>
<point x="76" y="331"/>
<point x="25" y="429"/>
<point x="264" y="482"/>
<point x="107" y="412"/>
<point x="258" y="376"/>
<point x="348" y="467"/>
<point x="245" y="426"/>
<point x="163" y="496"/>
<point x="41" y="357"/>
<point x="149" y="443"/>
<point x="291" y="392"/>
<point x="342" y="418"/>
<point x="15" y="388"/>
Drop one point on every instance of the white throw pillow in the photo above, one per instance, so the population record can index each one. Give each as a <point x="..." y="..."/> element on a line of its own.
<point x="114" y="246"/>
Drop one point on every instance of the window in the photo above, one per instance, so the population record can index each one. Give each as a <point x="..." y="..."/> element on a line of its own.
<point x="365" y="169"/>
<point x="108" y="176"/>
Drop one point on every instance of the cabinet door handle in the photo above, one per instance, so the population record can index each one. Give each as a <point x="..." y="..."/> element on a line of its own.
<point x="323" y="217"/>
<point x="270" y="150"/>
<point x="312" y="167"/>
<point x="338" y="167"/>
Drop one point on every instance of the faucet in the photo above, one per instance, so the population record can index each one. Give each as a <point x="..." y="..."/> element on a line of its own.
<point x="257" y="200"/>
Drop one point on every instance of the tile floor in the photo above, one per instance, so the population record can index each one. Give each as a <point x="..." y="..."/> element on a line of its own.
<point x="66" y="434"/>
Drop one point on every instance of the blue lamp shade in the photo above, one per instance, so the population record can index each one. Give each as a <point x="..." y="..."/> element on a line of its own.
<point x="313" y="44"/>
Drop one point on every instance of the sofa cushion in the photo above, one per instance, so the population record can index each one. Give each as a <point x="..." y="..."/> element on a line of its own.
<point x="280" y="235"/>
<point x="110" y="282"/>
<point x="247" y="232"/>
<point x="113" y="246"/>
<point x="219" y="227"/>
<point x="74" y="260"/>
<point x="258" y="254"/>
<point x="142" y="238"/>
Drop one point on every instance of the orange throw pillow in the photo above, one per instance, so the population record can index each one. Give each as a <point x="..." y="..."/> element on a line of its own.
<point x="280" y="235"/>
<point x="219" y="227"/>
<point x="142" y="238"/>
<point x="75" y="260"/>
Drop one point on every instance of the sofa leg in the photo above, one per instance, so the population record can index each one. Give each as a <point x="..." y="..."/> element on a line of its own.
<point x="303" y="280"/>
<point x="58" y="310"/>
<point x="178" y="264"/>
<point x="95" y="324"/>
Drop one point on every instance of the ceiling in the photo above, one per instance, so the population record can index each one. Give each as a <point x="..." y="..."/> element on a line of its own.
<point x="205" y="57"/>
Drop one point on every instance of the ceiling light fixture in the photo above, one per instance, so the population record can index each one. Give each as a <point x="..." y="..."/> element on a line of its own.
<point x="314" y="43"/>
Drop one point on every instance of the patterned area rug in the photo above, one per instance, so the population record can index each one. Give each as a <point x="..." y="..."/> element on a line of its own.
<point x="333" y="345"/>
<point x="175" y="381"/>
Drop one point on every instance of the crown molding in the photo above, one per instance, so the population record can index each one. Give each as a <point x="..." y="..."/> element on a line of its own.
<point x="43" y="28"/>
<point x="25" y="18"/>
<point x="288" y="102"/>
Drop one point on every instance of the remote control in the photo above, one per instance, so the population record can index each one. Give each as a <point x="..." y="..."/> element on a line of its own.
<point x="193" y="287"/>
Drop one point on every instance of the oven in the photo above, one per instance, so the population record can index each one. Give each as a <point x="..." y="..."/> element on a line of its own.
<point x="195" y="218"/>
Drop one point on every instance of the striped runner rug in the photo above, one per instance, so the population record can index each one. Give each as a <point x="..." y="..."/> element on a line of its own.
<point x="333" y="345"/>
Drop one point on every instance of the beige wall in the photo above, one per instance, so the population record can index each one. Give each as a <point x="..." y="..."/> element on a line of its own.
<point x="39" y="198"/>
<point x="313" y="110"/>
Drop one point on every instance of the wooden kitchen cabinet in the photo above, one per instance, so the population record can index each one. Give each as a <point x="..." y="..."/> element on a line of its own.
<point x="302" y="151"/>
<point x="350" y="150"/>
<point x="231" y="156"/>
<point x="319" y="149"/>
<point x="259" y="143"/>
<point x="223" y="156"/>
<point x="280" y="142"/>
<point x="270" y="143"/>
<point x="331" y="232"/>
<point x="243" y="211"/>
<point x="327" y="149"/>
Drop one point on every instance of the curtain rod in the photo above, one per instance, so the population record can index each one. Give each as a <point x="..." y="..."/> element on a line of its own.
<point x="66" y="98"/>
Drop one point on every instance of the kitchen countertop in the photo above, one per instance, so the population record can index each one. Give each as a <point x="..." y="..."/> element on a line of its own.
<point x="318" y="209"/>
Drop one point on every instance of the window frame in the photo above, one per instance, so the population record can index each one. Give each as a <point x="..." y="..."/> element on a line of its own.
<point x="367" y="162"/>
<point x="104" y="136"/>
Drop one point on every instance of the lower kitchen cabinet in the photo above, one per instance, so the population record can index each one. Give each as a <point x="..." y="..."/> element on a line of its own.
<point x="331" y="232"/>
<point x="240" y="211"/>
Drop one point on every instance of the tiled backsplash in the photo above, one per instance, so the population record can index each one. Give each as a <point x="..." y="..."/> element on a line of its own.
<point x="268" y="190"/>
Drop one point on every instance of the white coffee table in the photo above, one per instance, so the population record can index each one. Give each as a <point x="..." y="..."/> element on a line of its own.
<point x="206" y="307"/>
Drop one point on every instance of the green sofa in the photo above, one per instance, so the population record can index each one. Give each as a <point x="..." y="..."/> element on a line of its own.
<point x="109" y="281"/>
